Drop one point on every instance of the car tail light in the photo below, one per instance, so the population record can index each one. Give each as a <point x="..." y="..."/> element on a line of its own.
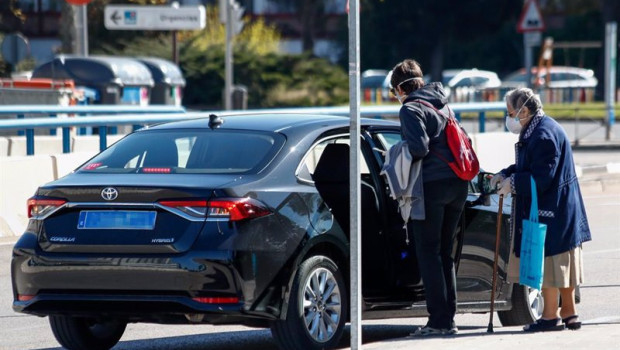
<point x="233" y="209"/>
<point x="156" y="170"/>
<point x="237" y="209"/>
<point x="40" y="207"/>
<point x="195" y="208"/>
<point x="217" y="300"/>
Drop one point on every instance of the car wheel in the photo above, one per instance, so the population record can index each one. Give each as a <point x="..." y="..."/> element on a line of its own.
<point x="527" y="307"/>
<point x="79" y="333"/>
<point x="317" y="308"/>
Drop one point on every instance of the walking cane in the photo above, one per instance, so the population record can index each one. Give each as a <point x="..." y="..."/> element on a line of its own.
<point x="494" y="280"/>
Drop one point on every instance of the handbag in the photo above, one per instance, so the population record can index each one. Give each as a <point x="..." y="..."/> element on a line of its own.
<point x="531" y="265"/>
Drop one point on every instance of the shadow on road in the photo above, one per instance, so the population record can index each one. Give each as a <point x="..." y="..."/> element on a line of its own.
<point x="250" y="339"/>
<point x="261" y="339"/>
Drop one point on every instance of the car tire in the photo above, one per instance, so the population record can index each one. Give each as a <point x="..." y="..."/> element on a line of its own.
<point x="527" y="306"/>
<point x="304" y="328"/>
<point x="80" y="333"/>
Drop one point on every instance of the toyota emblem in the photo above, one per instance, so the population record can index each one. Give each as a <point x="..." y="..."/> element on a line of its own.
<point x="109" y="193"/>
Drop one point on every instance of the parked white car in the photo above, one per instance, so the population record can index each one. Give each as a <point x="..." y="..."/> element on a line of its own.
<point x="557" y="77"/>
<point x="472" y="79"/>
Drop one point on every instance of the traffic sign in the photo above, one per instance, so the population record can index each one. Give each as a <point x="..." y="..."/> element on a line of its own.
<point x="154" y="17"/>
<point x="531" y="19"/>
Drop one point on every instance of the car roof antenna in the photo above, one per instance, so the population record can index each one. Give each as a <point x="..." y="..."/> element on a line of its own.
<point x="215" y="121"/>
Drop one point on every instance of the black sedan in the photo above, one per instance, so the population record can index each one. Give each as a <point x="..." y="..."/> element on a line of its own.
<point x="242" y="220"/>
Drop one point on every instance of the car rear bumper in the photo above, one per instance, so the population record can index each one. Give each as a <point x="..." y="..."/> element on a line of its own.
<point x="136" y="308"/>
<point x="132" y="286"/>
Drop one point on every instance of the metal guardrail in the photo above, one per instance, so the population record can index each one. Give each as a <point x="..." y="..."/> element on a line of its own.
<point x="132" y="115"/>
<point x="52" y="111"/>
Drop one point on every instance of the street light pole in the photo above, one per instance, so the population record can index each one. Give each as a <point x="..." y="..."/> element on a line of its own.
<point x="228" y="58"/>
<point x="81" y="29"/>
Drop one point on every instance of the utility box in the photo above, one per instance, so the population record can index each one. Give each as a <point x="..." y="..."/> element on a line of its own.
<point x="116" y="80"/>
<point x="168" y="79"/>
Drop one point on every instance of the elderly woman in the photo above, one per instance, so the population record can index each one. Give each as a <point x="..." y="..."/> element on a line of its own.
<point x="544" y="152"/>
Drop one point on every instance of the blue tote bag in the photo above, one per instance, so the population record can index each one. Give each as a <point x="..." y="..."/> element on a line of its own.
<point x="531" y="266"/>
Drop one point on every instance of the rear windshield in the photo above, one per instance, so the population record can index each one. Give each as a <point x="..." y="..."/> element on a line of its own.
<point x="188" y="152"/>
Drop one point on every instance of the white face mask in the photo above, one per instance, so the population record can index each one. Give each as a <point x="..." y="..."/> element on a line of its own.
<point x="395" y="90"/>
<point x="399" y="98"/>
<point x="513" y="124"/>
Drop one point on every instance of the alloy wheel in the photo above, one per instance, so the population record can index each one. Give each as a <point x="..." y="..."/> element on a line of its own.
<point x="322" y="307"/>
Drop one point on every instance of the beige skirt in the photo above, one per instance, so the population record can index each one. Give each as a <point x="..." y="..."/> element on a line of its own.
<point x="563" y="270"/>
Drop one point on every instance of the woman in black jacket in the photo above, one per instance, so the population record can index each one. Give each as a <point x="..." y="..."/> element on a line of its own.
<point x="423" y="127"/>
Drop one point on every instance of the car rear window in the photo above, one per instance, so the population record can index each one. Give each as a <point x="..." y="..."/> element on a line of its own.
<point x="187" y="152"/>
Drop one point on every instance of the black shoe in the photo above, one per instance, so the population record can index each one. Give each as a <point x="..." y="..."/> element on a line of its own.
<point x="542" y="325"/>
<point x="572" y="322"/>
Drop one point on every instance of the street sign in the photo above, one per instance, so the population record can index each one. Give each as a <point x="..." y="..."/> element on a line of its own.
<point x="118" y="17"/>
<point x="531" y="19"/>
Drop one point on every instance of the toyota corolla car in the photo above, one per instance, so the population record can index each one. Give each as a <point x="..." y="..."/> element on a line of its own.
<point x="239" y="220"/>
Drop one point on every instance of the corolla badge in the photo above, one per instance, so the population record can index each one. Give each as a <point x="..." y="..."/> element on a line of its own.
<point x="109" y="193"/>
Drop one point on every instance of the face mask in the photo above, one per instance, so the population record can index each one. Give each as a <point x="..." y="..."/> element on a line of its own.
<point x="398" y="97"/>
<point x="514" y="124"/>
<point x="394" y="90"/>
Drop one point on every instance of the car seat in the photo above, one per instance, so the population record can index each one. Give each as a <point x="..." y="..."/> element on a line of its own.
<point x="162" y="153"/>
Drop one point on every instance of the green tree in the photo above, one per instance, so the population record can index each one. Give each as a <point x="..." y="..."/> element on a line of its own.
<point x="272" y="79"/>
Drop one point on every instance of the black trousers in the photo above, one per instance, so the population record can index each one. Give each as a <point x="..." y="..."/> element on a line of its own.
<point x="443" y="203"/>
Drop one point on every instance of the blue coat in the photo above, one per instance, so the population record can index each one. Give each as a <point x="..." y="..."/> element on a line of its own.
<point x="544" y="152"/>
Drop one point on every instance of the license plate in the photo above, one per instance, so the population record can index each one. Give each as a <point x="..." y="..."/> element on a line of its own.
<point x="117" y="220"/>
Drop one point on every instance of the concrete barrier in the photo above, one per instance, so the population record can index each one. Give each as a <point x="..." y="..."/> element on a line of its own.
<point x="19" y="179"/>
<point x="90" y="143"/>
<point x="495" y="150"/>
<point x="66" y="163"/>
<point x="4" y="147"/>
<point x="43" y="144"/>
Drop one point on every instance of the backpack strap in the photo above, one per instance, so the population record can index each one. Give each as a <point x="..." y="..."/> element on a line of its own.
<point x="430" y="105"/>
<point x="448" y="117"/>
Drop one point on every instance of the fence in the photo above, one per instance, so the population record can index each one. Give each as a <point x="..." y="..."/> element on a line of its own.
<point x="128" y="115"/>
<point x="469" y="94"/>
<point x="13" y="117"/>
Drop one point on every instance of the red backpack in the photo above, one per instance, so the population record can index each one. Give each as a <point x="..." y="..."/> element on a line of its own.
<point x="465" y="164"/>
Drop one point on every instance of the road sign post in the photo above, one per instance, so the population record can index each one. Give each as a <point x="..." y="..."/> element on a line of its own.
<point x="531" y="24"/>
<point x="231" y="14"/>
<point x="80" y="19"/>
<point x="611" y="63"/>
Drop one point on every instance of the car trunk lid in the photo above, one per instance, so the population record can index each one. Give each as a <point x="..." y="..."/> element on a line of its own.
<point x="121" y="213"/>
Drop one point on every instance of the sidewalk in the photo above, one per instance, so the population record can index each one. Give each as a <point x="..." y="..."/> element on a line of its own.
<point x="595" y="336"/>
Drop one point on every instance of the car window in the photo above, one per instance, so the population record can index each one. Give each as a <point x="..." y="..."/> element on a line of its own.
<point x="310" y="160"/>
<point x="573" y="76"/>
<point x="387" y="139"/>
<point x="187" y="151"/>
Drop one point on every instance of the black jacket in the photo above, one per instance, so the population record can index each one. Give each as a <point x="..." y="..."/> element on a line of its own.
<point x="423" y="129"/>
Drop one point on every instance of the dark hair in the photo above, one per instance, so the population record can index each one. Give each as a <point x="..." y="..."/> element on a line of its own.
<point x="407" y="69"/>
